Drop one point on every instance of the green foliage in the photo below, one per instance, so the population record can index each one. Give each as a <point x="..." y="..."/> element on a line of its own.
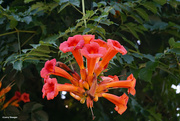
<point x="31" y="32"/>
<point x="31" y="111"/>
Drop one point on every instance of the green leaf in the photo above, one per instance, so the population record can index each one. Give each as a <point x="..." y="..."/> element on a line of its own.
<point x="12" y="111"/>
<point x="34" y="59"/>
<point x="150" y="6"/>
<point x="145" y="74"/>
<point x="86" y="30"/>
<point x="142" y="13"/>
<point x="102" y="3"/>
<point x="95" y="4"/>
<point x="101" y="30"/>
<point x="39" y="116"/>
<point x="39" y="6"/>
<point x="13" y="24"/>
<point x="114" y="70"/>
<point x="62" y="1"/>
<point x="26" y="50"/>
<point x="1" y="1"/>
<point x="10" y="58"/>
<point x="136" y="18"/>
<point x="175" y="50"/>
<point x="107" y="9"/>
<point x="39" y="54"/>
<point x="128" y="41"/>
<point x="150" y="57"/>
<point x="158" y="25"/>
<point x="52" y="39"/>
<point x="159" y="55"/>
<point x="124" y="7"/>
<point x="18" y="65"/>
<point x="161" y="2"/>
<point x="63" y="55"/>
<point x="132" y="30"/>
<point x="106" y="22"/>
<point x="75" y="2"/>
<point x="137" y="55"/>
<point x="63" y="6"/>
<point x="36" y="107"/>
<point x="2" y="20"/>
<point x="128" y="58"/>
<point x="151" y="65"/>
<point x="28" y="106"/>
<point x="116" y="7"/>
<point x="155" y="116"/>
<point x="174" y="44"/>
<point x="135" y="105"/>
<point x="28" y="1"/>
<point x="69" y="59"/>
<point x="112" y="11"/>
<point x="171" y="41"/>
<point x="171" y="24"/>
<point x="27" y="19"/>
<point x="88" y="14"/>
<point x="173" y="32"/>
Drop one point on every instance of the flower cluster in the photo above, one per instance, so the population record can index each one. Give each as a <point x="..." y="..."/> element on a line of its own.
<point x="14" y="100"/>
<point x="91" y="83"/>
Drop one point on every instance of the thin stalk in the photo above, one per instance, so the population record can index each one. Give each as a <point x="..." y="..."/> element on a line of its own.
<point x="93" y="117"/>
<point x="17" y="31"/>
<point x="28" y="40"/>
<point x="83" y="9"/>
<point x="76" y="9"/>
<point x="19" y="44"/>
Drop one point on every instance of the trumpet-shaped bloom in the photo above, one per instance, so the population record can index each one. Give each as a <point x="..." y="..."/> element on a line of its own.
<point x="70" y="88"/>
<point x="132" y="88"/>
<point x="109" y="79"/>
<point x="73" y="44"/>
<point x="17" y="98"/>
<point x="50" y="88"/>
<point x="48" y="68"/>
<point x="88" y="38"/>
<point x="25" y="97"/>
<point x="129" y="83"/>
<point x="92" y="52"/>
<point x="117" y="46"/>
<point x="51" y="68"/>
<point x="120" y="102"/>
<point x="101" y="43"/>
<point x="17" y="95"/>
<point x="113" y="48"/>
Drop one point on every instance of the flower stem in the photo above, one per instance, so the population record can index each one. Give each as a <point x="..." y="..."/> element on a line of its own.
<point x="93" y="117"/>
<point x="83" y="9"/>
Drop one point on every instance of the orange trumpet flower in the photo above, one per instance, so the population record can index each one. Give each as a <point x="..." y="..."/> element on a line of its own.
<point x="88" y="38"/>
<point x="129" y="83"/>
<point x="51" y="88"/>
<point x="92" y="52"/>
<point x="17" y="98"/>
<point x="51" y="68"/>
<point x="73" y="44"/>
<point x="120" y="102"/>
<point x="113" y="48"/>
<point x="90" y="85"/>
